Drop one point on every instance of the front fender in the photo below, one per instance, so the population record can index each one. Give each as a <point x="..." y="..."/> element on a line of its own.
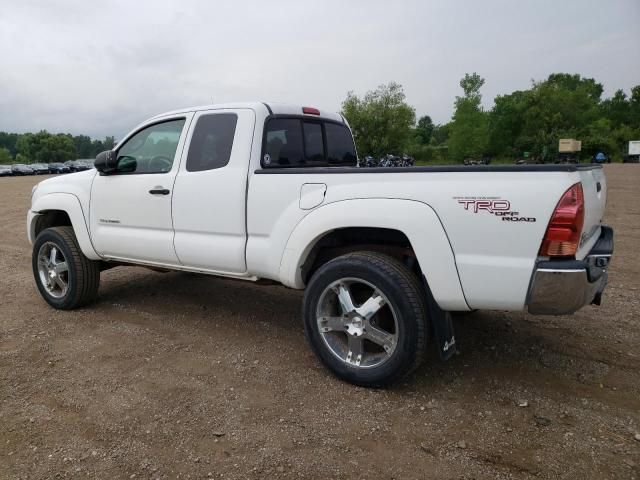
<point x="417" y="220"/>
<point x="69" y="203"/>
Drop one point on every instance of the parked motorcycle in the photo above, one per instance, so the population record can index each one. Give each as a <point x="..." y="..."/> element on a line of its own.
<point x="407" y="160"/>
<point x="388" y="161"/>
<point x="369" y="162"/>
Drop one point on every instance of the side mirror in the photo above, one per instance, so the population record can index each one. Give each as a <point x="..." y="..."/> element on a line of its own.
<point x="106" y="162"/>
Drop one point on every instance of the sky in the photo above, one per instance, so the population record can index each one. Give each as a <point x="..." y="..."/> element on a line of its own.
<point x="100" y="68"/>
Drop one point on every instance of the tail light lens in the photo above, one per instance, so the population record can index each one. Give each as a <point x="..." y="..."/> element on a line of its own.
<point x="564" y="230"/>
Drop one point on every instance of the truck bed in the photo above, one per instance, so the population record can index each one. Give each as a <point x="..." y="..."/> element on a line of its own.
<point x="494" y="256"/>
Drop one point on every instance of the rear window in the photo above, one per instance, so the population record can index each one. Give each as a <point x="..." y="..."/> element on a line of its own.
<point x="313" y="143"/>
<point x="283" y="143"/>
<point x="294" y="142"/>
<point x="340" y="147"/>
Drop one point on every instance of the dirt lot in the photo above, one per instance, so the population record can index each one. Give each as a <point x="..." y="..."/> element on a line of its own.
<point x="181" y="376"/>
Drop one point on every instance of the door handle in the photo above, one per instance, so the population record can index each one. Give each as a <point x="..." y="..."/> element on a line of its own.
<point x="159" y="191"/>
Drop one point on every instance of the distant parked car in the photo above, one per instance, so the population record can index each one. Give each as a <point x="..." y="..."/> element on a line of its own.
<point x="57" y="167"/>
<point x="40" y="168"/>
<point x="87" y="163"/>
<point x="83" y="165"/>
<point x="20" y="169"/>
<point x="5" y="170"/>
<point x="71" y="165"/>
<point x="76" y="165"/>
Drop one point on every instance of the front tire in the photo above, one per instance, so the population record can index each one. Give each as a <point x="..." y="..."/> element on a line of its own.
<point x="365" y="318"/>
<point x="65" y="278"/>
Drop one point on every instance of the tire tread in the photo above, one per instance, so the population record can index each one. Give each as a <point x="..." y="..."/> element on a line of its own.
<point x="415" y="295"/>
<point x="87" y="271"/>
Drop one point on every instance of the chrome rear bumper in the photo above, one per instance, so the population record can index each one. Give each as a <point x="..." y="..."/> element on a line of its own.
<point x="561" y="287"/>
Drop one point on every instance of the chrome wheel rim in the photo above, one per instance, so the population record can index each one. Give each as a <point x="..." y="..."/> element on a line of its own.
<point x="53" y="270"/>
<point x="357" y="323"/>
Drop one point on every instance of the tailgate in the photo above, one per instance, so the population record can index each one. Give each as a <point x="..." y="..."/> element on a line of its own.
<point x="594" y="186"/>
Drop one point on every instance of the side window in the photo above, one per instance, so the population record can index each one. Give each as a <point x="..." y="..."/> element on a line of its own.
<point x="151" y="150"/>
<point x="313" y="143"/>
<point x="283" y="143"/>
<point x="211" y="142"/>
<point x="340" y="147"/>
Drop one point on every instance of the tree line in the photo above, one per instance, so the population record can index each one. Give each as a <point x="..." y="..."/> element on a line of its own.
<point x="45" y="147"/>
<point x="533" y="120"/>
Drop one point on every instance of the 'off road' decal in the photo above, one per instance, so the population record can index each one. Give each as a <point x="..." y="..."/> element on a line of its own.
<point x="494" y="206"/>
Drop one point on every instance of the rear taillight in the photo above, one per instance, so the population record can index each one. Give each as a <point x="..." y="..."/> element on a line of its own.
<point x="563" y="233"/>
<point x="310" y="111"/>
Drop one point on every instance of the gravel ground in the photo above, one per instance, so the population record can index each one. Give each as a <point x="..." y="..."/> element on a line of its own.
<point x="172" y="375"/>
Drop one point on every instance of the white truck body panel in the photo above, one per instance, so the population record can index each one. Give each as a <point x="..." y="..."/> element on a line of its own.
<point x="427" y="238"/>
<point x="494" y="258"/>
<point x="209" y="206"/>
<point x="634" y="147"/>
<point x="246" y="222"/>
<point x="126" y="222"/>
<point x="71" y="194"/>
<point x="71" y="204"/>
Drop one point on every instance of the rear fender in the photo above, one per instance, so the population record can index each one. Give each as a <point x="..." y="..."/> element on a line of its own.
<point x="417" y="220"/>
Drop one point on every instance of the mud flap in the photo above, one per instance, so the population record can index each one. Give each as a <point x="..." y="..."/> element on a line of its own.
<point x="442" y="325"/>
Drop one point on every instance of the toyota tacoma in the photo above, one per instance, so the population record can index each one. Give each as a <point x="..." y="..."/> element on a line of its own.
<point x="267" y="191"/>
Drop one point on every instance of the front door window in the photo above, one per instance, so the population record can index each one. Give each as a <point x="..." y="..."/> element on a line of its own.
<point x="151" y="150"/>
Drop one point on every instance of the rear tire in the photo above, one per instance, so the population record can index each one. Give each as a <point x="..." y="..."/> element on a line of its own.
<point x="65" y="278"/>
<point x="365" y="318"/>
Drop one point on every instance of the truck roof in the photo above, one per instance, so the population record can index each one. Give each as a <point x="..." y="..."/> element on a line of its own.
<point x="270" y="108"/>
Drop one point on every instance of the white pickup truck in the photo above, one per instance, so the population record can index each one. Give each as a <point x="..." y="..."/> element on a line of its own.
<point x="257" y="191"/>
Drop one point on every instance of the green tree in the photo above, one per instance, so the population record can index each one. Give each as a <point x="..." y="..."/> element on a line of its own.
<point x="598" y="137"/>
<point x="108" y="143"/>
<point x="5" y="156"/>
<point x="43" y="147"/>
<point x="84" y="146"/>
<point x="471" y="85"/>
<point x="98" y="146"/>
<point x="8" y="141"/>
<point x="25" y="146"/>
<point x="469" y="131"/>
<point x="440" y="135"/>
<point x="424" y="129"/>
<point x="617" y="109"/>
<point x="634" y="106"/>
<point x="381" y="121"/>
<point x="563" y="105"/>
<point x="505" y="123"/>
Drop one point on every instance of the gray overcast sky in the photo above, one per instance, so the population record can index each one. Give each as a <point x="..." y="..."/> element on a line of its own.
<point x="101" y="67"/>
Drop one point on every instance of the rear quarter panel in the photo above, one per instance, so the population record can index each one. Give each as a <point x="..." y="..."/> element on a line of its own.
<point x="496" y="256"/>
